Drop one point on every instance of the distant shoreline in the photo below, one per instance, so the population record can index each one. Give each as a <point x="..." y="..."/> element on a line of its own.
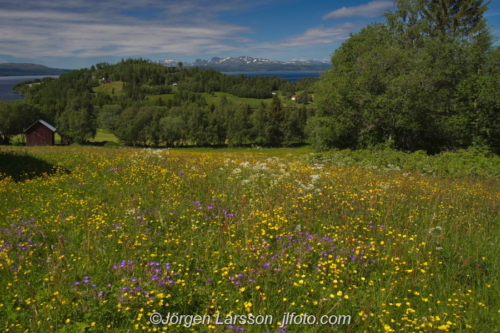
<point x="28" y="69"/>
<point x="8" y="82"/>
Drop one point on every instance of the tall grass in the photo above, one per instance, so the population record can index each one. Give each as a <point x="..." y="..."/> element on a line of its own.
<point x="128" y="232"/>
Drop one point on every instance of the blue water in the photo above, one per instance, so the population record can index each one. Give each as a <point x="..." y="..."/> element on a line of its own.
<point x="7" y="82"/>
<point x="291" y="76"/>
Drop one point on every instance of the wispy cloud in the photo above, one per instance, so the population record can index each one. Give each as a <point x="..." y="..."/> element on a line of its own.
<point x="83" y="33"/>
<point x="319" y="35"/>
<point x="371" y="9"/>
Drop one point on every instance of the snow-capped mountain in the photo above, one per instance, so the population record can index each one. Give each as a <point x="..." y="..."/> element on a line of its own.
<point x="245" y="63"/>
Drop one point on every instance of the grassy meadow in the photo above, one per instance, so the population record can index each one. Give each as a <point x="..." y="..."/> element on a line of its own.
<point x="96" y="240"/>
<point x="216" y="97"/>
<point x="102" y="136"/>
<point x="108" y="88"/>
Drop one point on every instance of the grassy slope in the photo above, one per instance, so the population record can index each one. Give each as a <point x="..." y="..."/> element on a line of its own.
<point x="104" y="135"/>
<point x="108" y="87"/>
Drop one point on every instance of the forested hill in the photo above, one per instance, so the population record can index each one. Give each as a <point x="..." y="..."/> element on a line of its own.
<point x="150" y="104"/>
<point x="21" y="69"/>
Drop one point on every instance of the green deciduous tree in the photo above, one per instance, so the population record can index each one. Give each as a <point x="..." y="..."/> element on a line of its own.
<point x="16" y="117"/>
<point x="404" y="83"/>
<point x="239" y="125"/>
<point x="274" y="128"/>
<point x="109" y="117"/>
<point x="260" y="121"/>
<point x="78" y="122"/>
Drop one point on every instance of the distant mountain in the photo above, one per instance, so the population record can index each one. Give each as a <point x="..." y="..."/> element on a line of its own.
<point x="249" y="64"/>
<point x="20" y="69"/>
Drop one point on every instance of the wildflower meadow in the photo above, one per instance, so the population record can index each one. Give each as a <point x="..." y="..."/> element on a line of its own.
<point x="97" y="240"/>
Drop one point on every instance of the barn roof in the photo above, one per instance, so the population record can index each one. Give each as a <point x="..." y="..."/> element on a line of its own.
<point x="52" y="128"/>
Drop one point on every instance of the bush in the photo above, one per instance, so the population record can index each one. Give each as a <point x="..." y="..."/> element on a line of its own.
<point x="472" y="162"/>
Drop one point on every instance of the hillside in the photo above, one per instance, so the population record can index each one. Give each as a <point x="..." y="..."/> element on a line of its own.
<point x="21" y="69"/>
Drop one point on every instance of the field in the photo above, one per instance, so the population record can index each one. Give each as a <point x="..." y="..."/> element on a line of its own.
<point x="102" y="136"/>
<point x="108" y="88"/>
<point x="215" y="99"/>
<point x="97" y="240"/>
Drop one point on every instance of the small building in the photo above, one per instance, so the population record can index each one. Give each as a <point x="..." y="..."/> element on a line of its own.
<point x="40" y="134"/>
<point x="294" y="97"/>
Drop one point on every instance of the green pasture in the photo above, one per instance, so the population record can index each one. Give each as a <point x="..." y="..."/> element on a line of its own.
<point x="108" y="88"/>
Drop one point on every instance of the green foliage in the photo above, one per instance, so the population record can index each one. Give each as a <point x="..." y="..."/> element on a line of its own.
<point x="415" y="82"/>
<point x="274" y="128"/>
<point x="173" y="130"/>
<point x="260" y="120"/>
<point x="109" y="117"/>
<point x="16" y="117"/>
<point x="470" y="163"/>
<point x="77" y="123"/>
<point x="456" y="17"/>
<point x="139" y="125"/>
<point x="294" y="124"/>
<point x="239" y="125"/>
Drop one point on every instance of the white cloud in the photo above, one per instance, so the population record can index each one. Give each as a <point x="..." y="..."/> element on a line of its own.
<point x="371" y="9"/>
<point x="319" y="35"/>
<point x="62" y="34"/>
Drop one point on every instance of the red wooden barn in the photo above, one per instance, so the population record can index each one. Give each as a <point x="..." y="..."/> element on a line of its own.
<point x="40" y="134"/>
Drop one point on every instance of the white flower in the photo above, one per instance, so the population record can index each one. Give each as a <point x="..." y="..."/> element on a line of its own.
<point x="246" y="164"/>
<point x="431" y="230"/>
<point x="315" y="178"/>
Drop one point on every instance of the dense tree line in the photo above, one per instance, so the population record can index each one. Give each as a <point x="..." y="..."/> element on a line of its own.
<point x="199" y="124"/>
<point x="428" y="78"/>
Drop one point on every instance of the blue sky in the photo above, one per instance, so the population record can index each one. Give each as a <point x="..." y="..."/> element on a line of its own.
<point x="79" y="33"/>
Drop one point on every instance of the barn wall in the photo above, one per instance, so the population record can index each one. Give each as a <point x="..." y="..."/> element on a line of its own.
<point x="39" y="135"/>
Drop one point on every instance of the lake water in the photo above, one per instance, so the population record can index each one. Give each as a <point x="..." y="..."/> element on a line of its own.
<point x="291" y="76"/>
<point x="7" y="82"/>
